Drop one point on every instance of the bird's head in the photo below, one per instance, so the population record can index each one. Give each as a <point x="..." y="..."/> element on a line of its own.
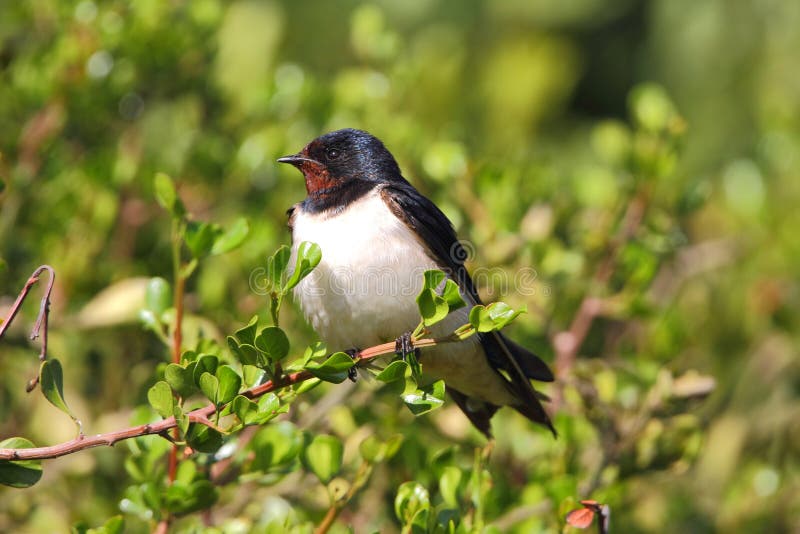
<point x="332" y="161"/>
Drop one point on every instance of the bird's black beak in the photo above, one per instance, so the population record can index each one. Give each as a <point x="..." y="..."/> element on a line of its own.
<point x="296" y="160"/>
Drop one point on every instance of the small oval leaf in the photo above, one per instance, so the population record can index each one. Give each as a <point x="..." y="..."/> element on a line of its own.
<point x="161" y="399"/>
<point x="323" y="457"/>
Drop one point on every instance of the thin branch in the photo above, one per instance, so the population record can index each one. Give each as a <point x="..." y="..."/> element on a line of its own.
<point x="567" y="343"/>
<point x="40" y="326"/>
<point x="360" y="479"/>
<point x="199" y="415"/>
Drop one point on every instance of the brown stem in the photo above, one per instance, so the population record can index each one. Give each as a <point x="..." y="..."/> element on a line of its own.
<point x="177" y="335"/>
<point x="361" y="478"/>
<point x="177" y="341"/>
<point x="196" y="416"/>
<point x="327" y="521"/>
<point x="568" y="342"/>
<point x="40" y="326"/>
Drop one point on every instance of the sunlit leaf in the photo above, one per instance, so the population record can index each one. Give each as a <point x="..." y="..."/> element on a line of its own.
<point x="432" y="279"/>
<point x="276" y="265"/>
<point x="432" y="307"/>
<point x="229" y="383"/>
<point x="180" y="378"/>
<point x="161" y="398"/>
<point x="334" y="369"/>
<point x="426" y="398"/>
<point x="308" y="256"/>
<point x="273" y="342"/>
<point x="51" y="380"/>
<point x="412" y="497"/>
<point x="452" y="295"/>
<point x="209" y="385"/>
<point x="396" y="370"/>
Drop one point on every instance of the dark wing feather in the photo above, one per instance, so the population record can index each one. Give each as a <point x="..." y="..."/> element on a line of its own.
<point x="479" y="415"/>
<point x="437" y="235"/>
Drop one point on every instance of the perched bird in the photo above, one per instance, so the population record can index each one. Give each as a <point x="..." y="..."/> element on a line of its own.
<point x="378" y="236"/>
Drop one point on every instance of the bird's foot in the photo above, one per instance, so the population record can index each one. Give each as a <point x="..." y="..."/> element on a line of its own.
<point x="403" y="346"/>
<point x="352" y="373"/>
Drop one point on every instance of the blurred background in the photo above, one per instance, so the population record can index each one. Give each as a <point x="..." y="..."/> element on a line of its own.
<point x="532" y="123"/>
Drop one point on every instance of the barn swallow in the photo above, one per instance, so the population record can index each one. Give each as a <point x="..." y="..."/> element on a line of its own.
<point x="378" y="236"/>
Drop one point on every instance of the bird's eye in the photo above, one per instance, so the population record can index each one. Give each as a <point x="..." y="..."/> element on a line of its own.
<point x="332" y="153"/>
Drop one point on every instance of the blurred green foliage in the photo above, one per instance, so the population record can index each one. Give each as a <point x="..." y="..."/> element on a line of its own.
<point x="535" y="125"/>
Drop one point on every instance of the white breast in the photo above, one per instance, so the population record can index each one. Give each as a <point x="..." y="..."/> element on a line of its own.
<point x="364" y="291"/>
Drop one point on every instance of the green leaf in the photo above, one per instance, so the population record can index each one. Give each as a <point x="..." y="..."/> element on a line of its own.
<point x="501" y="314"/>
<point x="393" y="445"/>
<point x="19" y="473"/>
<point x="449" y="483"/>
<point x="161" y="398"/>
<point x="247" y="354"/>
<point x="142" y="500"/>
<point x="651" y="106"/>
<point x="203" y="439"/>
<point x="452" y="295"/>
<point x="157" y="295"/>
<point x="306" y="385"/>
<point x="232" y="238"/>
<point x="492" y="317"/>
<point x="51" y="379"/>
<point x="229" y="383"/>
<point x="252" y="375"/>
<point x="270" y="403"/>
<point x="275" y="445"/>
<point x="247" y="334"/>
<point x="308" y="256"/>
<point x="432" y="307"/>
<point x="251" y="413"/>
<point x="412" y="497"/>
<point x="192" y="497"/>
<point x="419" y="523"/>
<point x="206" y="363"/>
<point x="323" y="457"/>
<point x="180" y="379"/>
<point x="200" y="237"/>
<point x="396" y="370"/>
<point x="318" y="349"/>
<point x="425" y="399"/>
<point x="373" y="450"/>
<point x="209" y="385"/>
<point x="334" y="369"/>
<point x="245" y="409"/>
<point x="114" y="525"/>
<point x="182" y="420"/>
<point x="274" y="343"/>
<point x="432" y="279"/>
<point x="480" y="320"/>
<point x="166" y="196"/>
<point x="276" y="265"/>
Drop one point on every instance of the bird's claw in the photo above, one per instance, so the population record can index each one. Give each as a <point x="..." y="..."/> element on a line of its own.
<point x="355" y="354"/>
<point x="403" y="345"/>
